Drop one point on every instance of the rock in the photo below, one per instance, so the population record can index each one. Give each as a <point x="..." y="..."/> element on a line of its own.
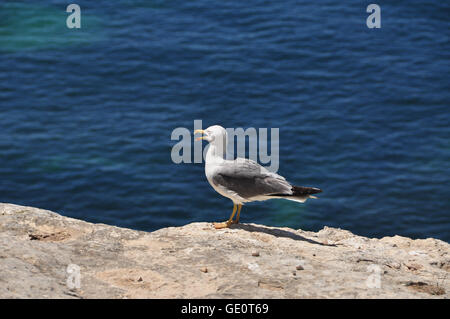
<point x="46" y="254"/>
<point x="424" y="287"/>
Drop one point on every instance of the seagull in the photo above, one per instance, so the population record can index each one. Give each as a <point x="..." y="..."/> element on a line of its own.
<point x="243" y="180"/>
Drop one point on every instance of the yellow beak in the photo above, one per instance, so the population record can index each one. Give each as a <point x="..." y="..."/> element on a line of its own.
<point x="199" y="131"/>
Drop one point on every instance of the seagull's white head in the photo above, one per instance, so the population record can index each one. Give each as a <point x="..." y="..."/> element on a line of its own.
<point x="215" y="134"/>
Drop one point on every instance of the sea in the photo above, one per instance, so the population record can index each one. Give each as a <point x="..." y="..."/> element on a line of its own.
<point x="87" y="114"/>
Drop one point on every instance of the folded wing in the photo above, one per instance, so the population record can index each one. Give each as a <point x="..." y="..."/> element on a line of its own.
<point x="249" y="179"/>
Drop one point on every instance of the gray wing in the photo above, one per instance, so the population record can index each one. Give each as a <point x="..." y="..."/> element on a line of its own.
<point x="249" y="179"/>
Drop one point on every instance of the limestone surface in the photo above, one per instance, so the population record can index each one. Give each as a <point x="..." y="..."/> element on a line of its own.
<point x="46" y="255"/>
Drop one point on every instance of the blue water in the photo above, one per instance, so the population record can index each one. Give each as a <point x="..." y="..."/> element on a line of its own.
<point x="86" y="115"/>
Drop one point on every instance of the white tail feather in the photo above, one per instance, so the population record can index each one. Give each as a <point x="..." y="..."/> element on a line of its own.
<point x="299" y="199"/>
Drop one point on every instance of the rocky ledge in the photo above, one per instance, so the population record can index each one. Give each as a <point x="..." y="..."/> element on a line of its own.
<point x="46" y="255"/>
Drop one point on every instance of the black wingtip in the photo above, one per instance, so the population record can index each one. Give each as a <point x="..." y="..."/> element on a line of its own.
<point x="301" y="190"/>
<point x="317" y="190"/>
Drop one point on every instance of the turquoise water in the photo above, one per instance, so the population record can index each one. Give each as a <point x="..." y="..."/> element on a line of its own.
<point x="86" y="115"/>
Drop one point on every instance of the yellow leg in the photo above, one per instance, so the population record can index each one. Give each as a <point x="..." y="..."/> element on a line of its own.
<point x="238" y="214"/>
<point x="228" y="222"/>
